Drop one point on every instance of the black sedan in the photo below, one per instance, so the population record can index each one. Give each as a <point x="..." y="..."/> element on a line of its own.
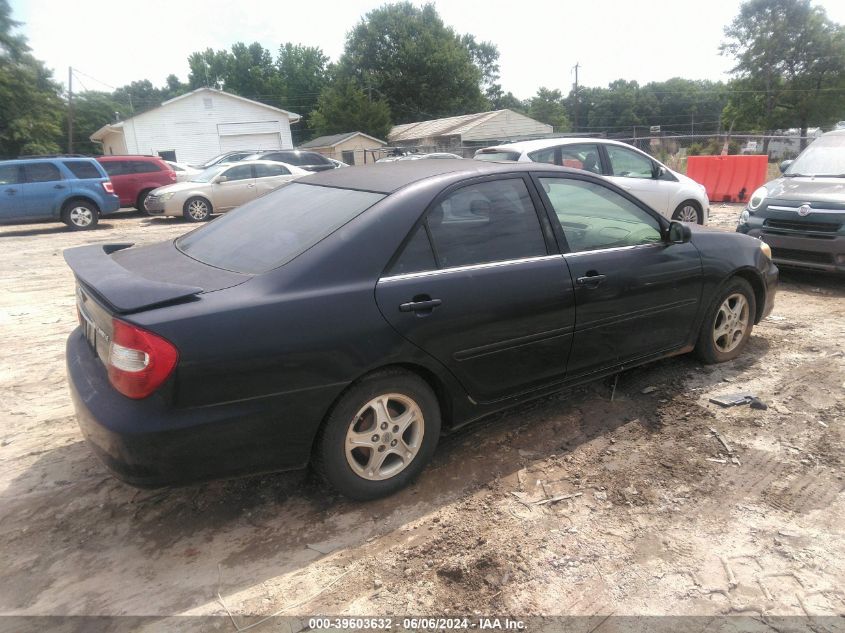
<point x="350" y="317"/>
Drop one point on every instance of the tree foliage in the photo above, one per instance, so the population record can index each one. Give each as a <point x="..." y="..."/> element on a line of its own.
<point x="790" y="65"/>
<point x="548" y="106"/>
<point x="344" y="107"/>
<point x="420" y="66"/>
<point x="31" y="116"/>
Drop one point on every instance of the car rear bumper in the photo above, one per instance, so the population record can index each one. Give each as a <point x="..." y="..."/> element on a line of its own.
<point x="110" y="204"/>
<point x="798" y="251"/>
<point x="149" y="443"/>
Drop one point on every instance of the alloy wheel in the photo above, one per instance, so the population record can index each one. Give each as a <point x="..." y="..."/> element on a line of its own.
<point x="384" y="437"/>
<point x="731" y="323"/>
<point x="81" y="216"/>
<point x="198" y="209"/>
<point x="688" y="213"/>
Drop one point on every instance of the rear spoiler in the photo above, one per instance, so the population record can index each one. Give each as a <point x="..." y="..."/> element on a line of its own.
<point x="122" y="289"/>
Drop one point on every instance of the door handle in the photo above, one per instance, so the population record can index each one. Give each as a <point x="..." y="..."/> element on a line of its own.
<point x="420" y="306"/>
<point x="590" y="281"/>
<point x="58" y="186"/>
<point x="251" y="186"/>
<point x="11" y="192"/>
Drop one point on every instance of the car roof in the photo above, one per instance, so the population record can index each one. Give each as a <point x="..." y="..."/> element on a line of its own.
<point x="390" y="177"/>
<point x="21" y="161"/>
<point x="256" y="161"/>
<point x="543" y="143"/>
<point x="116" y="157"/>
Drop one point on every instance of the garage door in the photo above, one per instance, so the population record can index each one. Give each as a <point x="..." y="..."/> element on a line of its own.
<point x="233" y="142"/>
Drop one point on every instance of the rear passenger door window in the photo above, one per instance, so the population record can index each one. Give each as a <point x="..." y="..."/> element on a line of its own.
<point x="266" y="171"/>
<point x="485" y="222"/>
<point x="143" y="167"/>
<point x="114" y="168"/>
<point x="581" y="156"/>
<point x="42" y="172"/>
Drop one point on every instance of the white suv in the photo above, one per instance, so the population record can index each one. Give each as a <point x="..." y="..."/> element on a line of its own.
<point x="666" y="191"/>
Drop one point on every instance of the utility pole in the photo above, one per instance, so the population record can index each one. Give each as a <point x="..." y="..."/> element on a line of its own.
<point x="692" y="124"/>
<point x="70" y="110"/>
<point x="576" y="108"/>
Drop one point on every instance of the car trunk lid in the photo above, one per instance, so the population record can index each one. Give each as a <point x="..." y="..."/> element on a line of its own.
<point x="127" y="280"/>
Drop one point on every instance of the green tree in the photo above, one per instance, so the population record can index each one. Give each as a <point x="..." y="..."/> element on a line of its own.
<point x="409" y="57"/>
<point x="208" y="68"/>
<point x="548" y="106"/>
<point x="303" y="73"/>
<point x="790" y="60"/>
<point x="344" y="107"/>
<point x="32" y="111"/>
<point x="91" y="111"/>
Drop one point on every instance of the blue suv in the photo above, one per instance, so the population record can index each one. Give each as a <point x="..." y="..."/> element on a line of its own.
<point x="74" y="190"/>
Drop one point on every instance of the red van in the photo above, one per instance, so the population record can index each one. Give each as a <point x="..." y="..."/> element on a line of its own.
<point x="135" y="176"/>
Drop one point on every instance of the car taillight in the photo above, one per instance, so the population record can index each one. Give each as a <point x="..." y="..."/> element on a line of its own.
<point x="172" y="175"/>
<point x="108" y="186"/>
<point x="139" y="361"/>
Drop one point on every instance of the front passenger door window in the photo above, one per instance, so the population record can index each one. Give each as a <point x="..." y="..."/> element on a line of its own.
<point x="238" y="188"/>
<point x="594" y="217"/>
<point x="628" y="163"/>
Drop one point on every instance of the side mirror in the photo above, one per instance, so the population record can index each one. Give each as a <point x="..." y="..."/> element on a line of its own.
<point x="660" y="172"/>
<point x="679" y="233"/>
<point x="785" y="165"/>
<point x="221" y="179"/>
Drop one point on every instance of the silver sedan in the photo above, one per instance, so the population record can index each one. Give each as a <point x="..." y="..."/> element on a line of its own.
<point x="220" y="188"/>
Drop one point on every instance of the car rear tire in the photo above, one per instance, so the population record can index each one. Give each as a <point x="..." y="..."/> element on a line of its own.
<point x="728" y="323"/>
<point x="197" y="210"/>
<point x="689" y="211"/>
<point x="80" y="215"/>
<point x="142" y="198"/>
<point x="379" y="435"/>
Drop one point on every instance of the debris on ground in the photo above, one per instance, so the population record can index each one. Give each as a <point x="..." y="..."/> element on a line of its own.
<point x="732" y="399"/>
<point x="649" y="390"/>
<point x="758" y="404"/>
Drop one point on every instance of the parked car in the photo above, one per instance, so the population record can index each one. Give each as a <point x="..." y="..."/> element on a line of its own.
<point x="309" y="161"/>
<point x="801" y="215"/>
<point x="338" y="163"/>
<point x="134" y="177"/>
<point x="350" y="316"/>
<point x="220" y="188"/>
<point x="431" y="155"/>
<point x="672" y="194"/>
<point x="226" y="157"/>
<point x="76" y="191"/>
<point x="183" y="172"/>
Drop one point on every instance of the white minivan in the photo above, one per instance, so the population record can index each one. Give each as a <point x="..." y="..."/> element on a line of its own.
<point x="666" y="191"/>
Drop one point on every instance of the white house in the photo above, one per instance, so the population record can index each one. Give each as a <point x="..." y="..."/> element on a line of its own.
<point x="199" y="125"/>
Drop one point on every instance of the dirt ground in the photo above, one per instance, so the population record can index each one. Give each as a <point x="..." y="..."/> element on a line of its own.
<point x="591" y="502"/>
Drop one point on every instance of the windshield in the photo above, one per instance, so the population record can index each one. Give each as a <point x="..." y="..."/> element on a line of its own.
<point x="270" y="231"/>
<point x="500" y="155"/>
<point x="208" y="174"/>
<point x="823" y="157"/>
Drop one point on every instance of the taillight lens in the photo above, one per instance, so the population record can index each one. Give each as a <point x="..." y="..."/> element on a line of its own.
<point x="139" y="361"/>
<point x="172" y="175"/>
<point x="108" y="186"/>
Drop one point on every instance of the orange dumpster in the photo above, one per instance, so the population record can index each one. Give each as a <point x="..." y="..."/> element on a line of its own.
<point x="728" y="178"/>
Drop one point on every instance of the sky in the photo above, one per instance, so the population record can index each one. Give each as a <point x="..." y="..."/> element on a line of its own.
<point x="114" y="42"/>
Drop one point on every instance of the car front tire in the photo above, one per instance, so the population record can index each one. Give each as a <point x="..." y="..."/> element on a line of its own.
<point x="728" y="323"/>
<point x="379" y="435"/>
<point x="80" y="215"/>
<point x="142" y="198"/>
<point x="197" y="210"/>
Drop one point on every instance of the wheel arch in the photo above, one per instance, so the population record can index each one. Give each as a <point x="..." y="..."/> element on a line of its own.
<point x="685" y="199"/>
<point x="78" y="198"/>
<point x="432" y="379"/>
<point x="754" y="278"/>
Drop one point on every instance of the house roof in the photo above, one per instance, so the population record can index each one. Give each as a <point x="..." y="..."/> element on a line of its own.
<point x="336" y="139"/>
<point x="293" y="117"/>
<point x="450" y="126"/>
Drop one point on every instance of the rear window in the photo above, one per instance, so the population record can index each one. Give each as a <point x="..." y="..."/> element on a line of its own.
<point x="497" y="156"/>
<point x="270" y="231"/>
<point x="83" y="169"/>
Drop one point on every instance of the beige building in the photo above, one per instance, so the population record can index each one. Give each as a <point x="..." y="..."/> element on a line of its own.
<point x="353" y="148"/>
<point x="466" y="133"/>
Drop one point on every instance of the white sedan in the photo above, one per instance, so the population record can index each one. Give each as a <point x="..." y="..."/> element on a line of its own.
<point x="672" y="194"/>
<point x="220" y="188"/>
<point x="183" y="172"/>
